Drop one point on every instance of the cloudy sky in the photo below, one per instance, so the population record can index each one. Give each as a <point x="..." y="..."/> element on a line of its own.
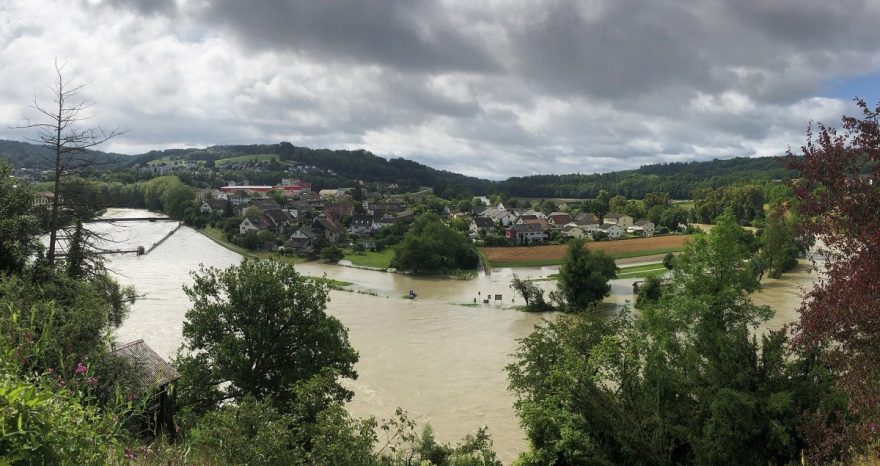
<point x="490" y="88"/>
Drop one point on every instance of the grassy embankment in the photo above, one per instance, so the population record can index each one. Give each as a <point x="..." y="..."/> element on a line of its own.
<point x="635" y="271"/>
<point x="377" y="260"/>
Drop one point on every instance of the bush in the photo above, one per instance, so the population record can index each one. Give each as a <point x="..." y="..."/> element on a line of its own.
<point x="332" y="254"/>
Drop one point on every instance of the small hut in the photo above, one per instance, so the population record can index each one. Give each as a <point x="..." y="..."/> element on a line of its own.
<point x="153" y="377"/>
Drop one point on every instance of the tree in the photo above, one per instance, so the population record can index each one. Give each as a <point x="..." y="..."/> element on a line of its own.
<point x="838" y="194"/>
<point x="71" y="144"/>
<point x="19" y="227"/>
<point x="261" y="327"/>
<point x="617" y="204"/>
<point x="432" y="247"/>
<point x="532" y="294"/>
<point x="669" y="261"/>
<point x="779" y="245"/>
<point x="332" y="254"/>
<point x="584" y="275"/>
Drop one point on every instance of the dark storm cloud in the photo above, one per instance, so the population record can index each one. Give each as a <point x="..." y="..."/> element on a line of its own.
<point x="487" y="87"/>
<point x="144" y="7"/>
<point x="409" y="35"/>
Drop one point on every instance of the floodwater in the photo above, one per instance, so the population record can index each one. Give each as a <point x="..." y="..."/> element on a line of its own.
<point x="440" y="357"/>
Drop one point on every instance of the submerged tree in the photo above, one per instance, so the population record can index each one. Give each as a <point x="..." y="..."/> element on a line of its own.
<point x="584" y="275"/>
<point x="60" y="129"/>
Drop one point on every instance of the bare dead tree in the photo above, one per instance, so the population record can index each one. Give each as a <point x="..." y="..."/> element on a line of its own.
<point x="59" y="128"/>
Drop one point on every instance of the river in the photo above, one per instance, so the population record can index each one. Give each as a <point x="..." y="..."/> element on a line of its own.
<point x="439" y="357"/>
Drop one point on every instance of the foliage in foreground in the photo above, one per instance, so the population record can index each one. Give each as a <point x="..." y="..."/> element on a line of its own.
<point x="686" y="381"/>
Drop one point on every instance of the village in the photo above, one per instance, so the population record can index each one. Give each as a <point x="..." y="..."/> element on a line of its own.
<point x="293" y="219"/>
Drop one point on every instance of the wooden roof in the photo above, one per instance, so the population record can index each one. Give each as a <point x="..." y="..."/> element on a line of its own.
<point x="153" y="371"/>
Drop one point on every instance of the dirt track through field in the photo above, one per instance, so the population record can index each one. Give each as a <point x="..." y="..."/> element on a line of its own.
<point x="557" y="251"/>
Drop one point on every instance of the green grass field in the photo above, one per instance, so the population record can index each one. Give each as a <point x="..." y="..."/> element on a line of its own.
<point x="247" y="158"/>
<point x="379" y="260"/>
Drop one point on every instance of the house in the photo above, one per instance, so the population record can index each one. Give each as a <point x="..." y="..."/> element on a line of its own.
<point x="328" y="227"/>
<point x="265" y="204"/>
<point x="215" y="206"/>
<point x="574" y="231"/>
<point x="610" y="230"/>
<point x="559" y="219"/>
<point x="588" y="216"/>
<point x="380" y="208"/>
<point x="481" y="224"/>
<point x="501" y="217"/>
<point x="545" y="226"/>
<point x="255" y="224"/>
<point x="336" y="210"/>
<point x="238" y="198"/>
<point x="152" y="377"/>
<point x="642" y="228"/>
<point x="525" y="218"/>
<point x="361" y="225"/>
<point x="383" y="221"/>
<point x="404" y="216"/>
<point x="279" y="219"/>
<point x="302" y="241"/>
<point x="622" y="220"/>
<point x="526" y="233"/>
<point x="298" y="208"/>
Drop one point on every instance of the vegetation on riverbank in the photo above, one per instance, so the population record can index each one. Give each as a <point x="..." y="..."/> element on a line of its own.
<point x="374" y="259"/>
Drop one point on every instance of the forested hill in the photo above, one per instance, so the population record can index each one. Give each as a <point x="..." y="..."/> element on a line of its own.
<point x="27" y="155"/>
<point x="678" y="179"/>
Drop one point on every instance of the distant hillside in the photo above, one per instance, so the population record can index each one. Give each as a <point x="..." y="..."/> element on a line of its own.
<point x="27" y="155"/>
<point x="678" y="179"/>
<point x="353" y="165"/>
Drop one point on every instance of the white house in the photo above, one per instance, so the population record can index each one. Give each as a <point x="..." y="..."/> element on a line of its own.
<point x="573" y="231"/>
<point x="642" y="228"/>
<point x="252" y="224"/>
<point x="611" y="230"/>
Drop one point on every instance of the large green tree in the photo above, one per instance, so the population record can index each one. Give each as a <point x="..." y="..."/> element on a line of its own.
<point x="256" y="329"/>
<point x="433" y="247"/>
<point x="584" y="275"/>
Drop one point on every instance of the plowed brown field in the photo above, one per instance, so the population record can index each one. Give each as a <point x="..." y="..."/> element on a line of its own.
<point x="546" y="255"/>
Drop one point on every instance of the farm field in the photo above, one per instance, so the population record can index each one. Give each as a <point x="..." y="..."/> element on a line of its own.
<point x="537" y="256"/>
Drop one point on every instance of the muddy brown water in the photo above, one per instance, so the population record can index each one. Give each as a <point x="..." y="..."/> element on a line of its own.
<point x="440" y="357"/>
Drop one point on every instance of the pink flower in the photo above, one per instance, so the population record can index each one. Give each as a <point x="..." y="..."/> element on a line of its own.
<point x="50" y="370"/>
<point x="80" y="369"/>
<point x="872" y="427"/>
<point x="91" y="381"/>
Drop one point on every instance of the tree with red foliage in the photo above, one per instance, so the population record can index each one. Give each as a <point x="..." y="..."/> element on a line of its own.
<point x="839" y="192"/>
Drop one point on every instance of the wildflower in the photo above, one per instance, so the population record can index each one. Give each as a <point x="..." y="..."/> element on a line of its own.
<point x="129" y="454"/>
<point x="872" y="427"/>
<point x="80" y="369"/>
<point x="131" y="396"/>
<point x="91" y="381"/>
<point x="50" y="370"/>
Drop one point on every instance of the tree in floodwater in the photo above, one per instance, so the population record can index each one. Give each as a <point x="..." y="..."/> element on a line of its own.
<point x="59" y="129"/>
<point x="839" y="195"/>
